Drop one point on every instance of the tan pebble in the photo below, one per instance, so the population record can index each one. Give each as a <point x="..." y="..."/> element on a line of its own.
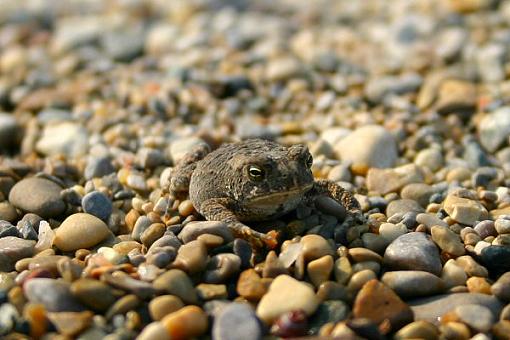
<point x="16" y="297"/>
<point x="147" y="207"/>
<point x="152" y="233"/>
<point x="501" y="330"/>
<point x="208" y="291"/>
<point x="478" y="285"/>
<point x="176" y="282"/>
<point x="211" y="241"/>
<point x="163" y="305"/>
<point x="471" y="267"/>
<point x="154" y="330"/>
<point x="459" y="174"/>
<point x="81" y="254"/>
<point x="447" y="240"/>
<point x="418" y="330"/>
<point x="80" y="230"/>
<point x="370" y="265"/>
<point x="186" y="208"/>
<point x="359" y="279"/>
<point x="363" y="254"/>
<point x="455" y="330"/>
<point x="251" y="286"/>
<point x="453" y="274"/>
<point x="464" y="210"/>
<point x="187" y="322"/>
<point x="284" y="295"/>
<point x="71" y="323"/>
<point x="123" y="305"/>
<point x="22" y="264"/>
<point x="125" y="247"/>
<point x="36" y="315"/>
<point x="330" y="290"/>
<point x="191" y="257"/>
<point x="342" y="270"/>
<point x="315" y="246"/>
<point x="319" y="270"/>
<point x="505" y="313"/>
<point x="342" y="331"/>
<point x="131" y="218"/>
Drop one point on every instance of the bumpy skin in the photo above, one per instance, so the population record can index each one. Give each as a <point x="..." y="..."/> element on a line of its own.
<point x="222" y="185"/>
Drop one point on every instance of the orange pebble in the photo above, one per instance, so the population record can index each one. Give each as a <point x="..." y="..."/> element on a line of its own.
<point x="187" y="322"/>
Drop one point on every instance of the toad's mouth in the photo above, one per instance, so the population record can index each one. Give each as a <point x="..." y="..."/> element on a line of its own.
<point x="280" y="197"/>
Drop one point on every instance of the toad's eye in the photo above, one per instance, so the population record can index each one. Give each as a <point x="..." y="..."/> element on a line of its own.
<point x="256" y="172"/>
<point x="309" y="161"/>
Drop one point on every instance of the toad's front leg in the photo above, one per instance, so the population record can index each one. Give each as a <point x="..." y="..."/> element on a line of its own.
<point x="342" y="196"/>
<point x="221" y="209"/>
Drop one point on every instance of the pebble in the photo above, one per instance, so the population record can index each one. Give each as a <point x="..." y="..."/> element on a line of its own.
<point x="55" y="295"/>
<point x="250" y="285"/>
<point x="367" y="147"/>
<point x="13" y="249"/>
<point x="193" y="230"/>
<point x="432" y="308"/>
<point x="176" y="282"/>
<point x="154" y="330"/>
<point x="464" y="210"/>
<point x="494" y="258"/>
<point x="98" y="167"/>
<point x="163" y="305"/>
<point x="328" y="312"/>
<point x="453" y="274"/>
<point x="71" y="323"/>
<point x="236" y="321"/>
<point x="44" y="199"/>
<point x="93" y="294"/>
<point x="377" y="302"/>
<point x="384" y="181"/>
<point x="192" y="257"/>
<point x="286" y="294"/>
<point x="447" y="240"/>
<point x="502" y="226"/>
<point x="8" y="212"/>
<point x="413" y="251"/>
<point x="402" y="206"/>
<point x="494" y="129"/>
<point x="419" y="192"/>
<point x="478" y="317"/>
<point x="391" y="232"/>
<point x="187" y="322"/>
<point x="67" y="138"/>
<point x="98" y="204"/>
<point x="319" y="270"/>
<point x="80" y="230"/>
<point x="363" y="254"/>
<point x="222" y="267"/>
<point x="413" y="283"/>
<point x="418" y="330"/>
<point x="478" y="285"/>
<point x="314" y="247"/>
<point x="471" y="267"/>
<point x="501" y="288"/>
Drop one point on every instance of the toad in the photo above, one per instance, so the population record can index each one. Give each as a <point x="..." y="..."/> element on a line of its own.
<point x="253" y="180"/>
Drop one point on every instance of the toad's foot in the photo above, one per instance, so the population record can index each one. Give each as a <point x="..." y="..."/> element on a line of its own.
<point x="222" y="209"/>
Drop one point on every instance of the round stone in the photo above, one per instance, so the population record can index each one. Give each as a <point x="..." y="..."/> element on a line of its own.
<point x="80" y="230"/>
<point x="236" y="321"/>
<point x="413" y="283"/>
<point x="163" y="305"/>
<point x="39" y="196"/>
<point x="187" y="322"/>
<point x="54" y="295"/>
<point x="98" y="204"/>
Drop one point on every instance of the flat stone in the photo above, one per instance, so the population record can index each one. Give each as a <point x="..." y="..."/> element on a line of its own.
<point x="55" y="295"/>
<point x="377" y="302"/>
<point x="432" y="308"/>
<point x="191" y="257"/>
<point x="464" y="210"/>
<point x="71" y="323"/>
<point x="384" y="181"/>
<point x="13" y="249"/>
<point x="44" y="199"/>
<point x="193" y="230"/>
<point x="419" y="192"/>
<point x="402" y="206"/>
<point x="286" y="294"/>
<point x="413" y="251"/>
<point x="98" y="204"/>
<point x="94" y="294"/>
<point x="367" y="147"/>
<point x="315" y="246"/>
<point x="176" y="282"/>
<point x="475" y="316"/>
<point x="413" y="283"/>
<point x="447" y="240"/>
<point x="80" y="230"/>
<point x="236" y="321"/>
<point x="456" y="96"/>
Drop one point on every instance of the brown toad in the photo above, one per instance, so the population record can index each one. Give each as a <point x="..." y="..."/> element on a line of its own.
<point x="252" y="180"/>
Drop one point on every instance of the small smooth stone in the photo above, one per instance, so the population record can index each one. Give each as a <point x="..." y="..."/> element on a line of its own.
<point x="71" y="323"/>
<point x="319" y="270"/>
<point x="342" y="270"/>
<point x="315" y="246"/>
<point x="121" y="280"/>
<point x="430" y="220"/>
<point x="371" y="265"/>
<point x="54" y="295"/>
<point x="494" y="128"/>
<point x="191" y="257"/>
<point x="418" y="330"/>
<point x="374" y="242"/>
<point x="142" y="223"/>
<point x="402" y="206"/>
<point x="501" y="329"/>
<point x="68" y="138"/>
<point x="80" y="230"/>
<point x="359" y="279"/>
<point x="44" y="199"/>
<point x="222" y="267"/>
<point x="413" y="251"/>
<point x="369" y="146"/>
<point x="208" y="291"/>
<point x="432" y="308"/>
<point x="431" y="158"/>
<point x="502" y="226"/>
<point x="385" y="181"/>
<point x="154" y="330"/>
<point x="331" y="290"/>
<point x="413" y="283"/>
<point x="471" y="267"/>
<point x="193" y="230"/>
<point x="447" y="240"/>
<point x="478" y="285"/>
<point x="501" y="288"/>
<point x="98" y="204"/>
<point x="328" y="312"/>
<point x="236" y="321"/>
<point x="187" y="322"/>
<point x="13" y="249"/>
<point x="377" y="302"/>
<point x="250" y="286"/>
<point x="163" y="305"/>
<point x="391" y="231"/>
<point x="8" y="212"/>
<point x="475" y="316"/>
<point x="485" y="228"/>
<point x="455" y="330"/>
<point x="286" y="294"/>
<point x="419" y="192"/>
<point x="98" y="167"/>
<point x="123" y="305"/>
<point x="453" y="274"/>
<point x="152" y="233"/>
<point x="464" y="210"/>
<point x="94" y="294"/>
<point x="176" y="282"/>
<point x="363" y="254"/>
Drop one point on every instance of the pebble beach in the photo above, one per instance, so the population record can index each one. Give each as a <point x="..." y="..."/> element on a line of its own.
<point x="404" y="103"/>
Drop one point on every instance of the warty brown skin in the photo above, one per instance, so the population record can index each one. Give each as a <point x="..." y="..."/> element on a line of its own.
<point x="252" y="180"/>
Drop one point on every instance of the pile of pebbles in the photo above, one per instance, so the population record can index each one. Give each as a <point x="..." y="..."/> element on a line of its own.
<point x="404" y="103"/>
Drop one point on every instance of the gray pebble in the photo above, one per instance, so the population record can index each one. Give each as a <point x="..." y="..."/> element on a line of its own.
<point x="98" y="204"/>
